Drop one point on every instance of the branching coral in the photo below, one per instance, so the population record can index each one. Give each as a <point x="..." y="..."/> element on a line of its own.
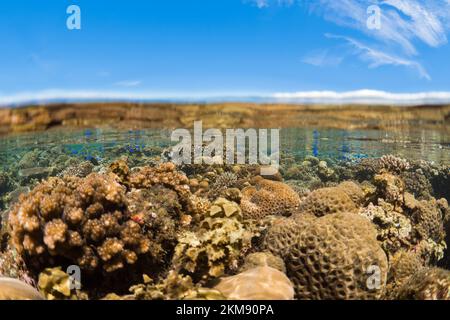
<point x="95" y="223"/>
<point x="335" y="257"/>
<point x="268" y="197"/>
<point x="394" y="164"/>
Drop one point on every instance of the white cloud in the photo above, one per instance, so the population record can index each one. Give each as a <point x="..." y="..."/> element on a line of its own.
<point x="363" y="97"/>
<point x="377" y="58"/>
<point x="322" y="58"/>
<point x="128" y="83"/>
<point x="332" y="97"/>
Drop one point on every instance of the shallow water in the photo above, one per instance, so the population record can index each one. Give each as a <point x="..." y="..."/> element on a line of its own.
<point x="332" y="144"/>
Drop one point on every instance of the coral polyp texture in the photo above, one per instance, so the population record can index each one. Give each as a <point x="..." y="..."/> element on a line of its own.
<point x="267" y="197"/>
<point x="335" y="257"/>
<point x="327" y="201"/>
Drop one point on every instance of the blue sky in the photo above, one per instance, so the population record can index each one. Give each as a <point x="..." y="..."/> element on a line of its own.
<point x="276" y="48"/>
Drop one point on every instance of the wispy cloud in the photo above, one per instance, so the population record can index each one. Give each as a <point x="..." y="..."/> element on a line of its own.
<point x="322" y="58"/>
<point x="376" y="58"/>
<point x="128" y="83"/>
<point x="404" y="25"/>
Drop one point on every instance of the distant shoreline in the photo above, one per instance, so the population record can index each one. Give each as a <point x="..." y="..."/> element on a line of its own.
<point x="128" y="115"/>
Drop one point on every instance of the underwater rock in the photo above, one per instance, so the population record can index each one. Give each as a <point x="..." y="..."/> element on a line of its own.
<point x="425" y="284"/>
<point x="14" y="195"/>
<point x="263" y="259"/>
<point x="268" y="197"/>
<point x="13" y="289"/>
<point x="6" y="183"/>
<point x="325" y="201"/>
<point x="260" y="283"/>
<point x="38" y="173"/>
<point x="334" y="257"/>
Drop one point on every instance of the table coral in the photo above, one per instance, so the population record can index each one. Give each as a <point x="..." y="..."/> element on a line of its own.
<point x="268" y="197"/>
<point x="334" y="259"/>
<point x="260" y="283"/>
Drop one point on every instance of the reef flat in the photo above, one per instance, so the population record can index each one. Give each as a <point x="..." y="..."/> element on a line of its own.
<point x="233" y="115"/>
<point x="141" y="227"/>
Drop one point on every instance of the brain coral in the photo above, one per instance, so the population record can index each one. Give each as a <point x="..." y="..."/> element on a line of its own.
<point x="260" y="283"/>
<point x="426" y="284"/>
<point x="325" y="201"/>
<point x="353" y="190"/>
<point x="268" y="197"/>
<point x="338" y="257"/>
<point x="284" y="232"/>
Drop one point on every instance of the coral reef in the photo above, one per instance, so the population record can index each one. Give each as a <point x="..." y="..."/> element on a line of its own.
<point x="268" y="197"/>
<point x="333" y="259"/>
<point x="394" y="164"/>
<point x="260" y="283"/>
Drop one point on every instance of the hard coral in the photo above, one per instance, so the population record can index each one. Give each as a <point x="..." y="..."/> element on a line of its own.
<point x="268" y="197"/>
<point x="325" y="201"/>
<point x="335" y="257"/>
<point x="260" y="283"/>
<point x="263" y="259"/>
<point x="426" y="284"/>
<point x="94" y="223"/>
<point x="394" y="164"/>
<point x="283" y="233"/>
<point x="216" y="245"/>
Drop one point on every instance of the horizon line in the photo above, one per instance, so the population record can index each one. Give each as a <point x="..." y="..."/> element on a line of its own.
<point x="363" y="96"/>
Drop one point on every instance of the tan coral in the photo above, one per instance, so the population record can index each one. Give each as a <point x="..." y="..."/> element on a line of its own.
<point x="263" y="259"/>
<point x="283" y="233"/>
<point x="325" y="201"/>
<point x="260" y="283"/>
<point x="426" y="284"/>
<point x="335" y="257"/>
<point x="268" y="197"/>
<point x="354" y="191"/>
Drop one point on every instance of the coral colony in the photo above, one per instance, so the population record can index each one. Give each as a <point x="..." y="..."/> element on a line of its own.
<point x="147" y="228"/>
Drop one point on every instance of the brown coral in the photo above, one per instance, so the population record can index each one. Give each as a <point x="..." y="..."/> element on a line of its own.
<point x="284" y="232"/>
<point x="426" y="284"/>
<point x="338" y="257"/>
<point x="94" y="223"/>
<point x="354" y="191"/>
<point x="325" y="201"/>
<point x="268" y="197"/>
<point x="263" y="259"/>
<point x="260" y="283"/>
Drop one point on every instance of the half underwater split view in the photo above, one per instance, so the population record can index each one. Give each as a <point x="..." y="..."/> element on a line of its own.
<point x="225" y="150"/>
